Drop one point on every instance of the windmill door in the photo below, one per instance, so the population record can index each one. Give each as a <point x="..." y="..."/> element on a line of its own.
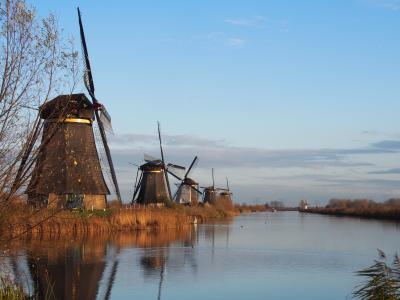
<point x="74" y="201"/>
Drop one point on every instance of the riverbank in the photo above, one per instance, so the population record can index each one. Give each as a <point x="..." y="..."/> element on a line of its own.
<point x="52" y="223"/>
<point x="361" y="208"/>
<point x="380" y="214"/>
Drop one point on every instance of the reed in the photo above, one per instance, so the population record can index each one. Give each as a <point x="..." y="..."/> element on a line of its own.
<point x="51" y="223"/>
<point x="382" y="280"/>
<point x="11" y="291"/>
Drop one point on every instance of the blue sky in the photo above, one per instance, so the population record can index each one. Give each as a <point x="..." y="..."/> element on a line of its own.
<point x="290" y="99"/>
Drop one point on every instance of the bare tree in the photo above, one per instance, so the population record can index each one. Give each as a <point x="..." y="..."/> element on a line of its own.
<point x="35" y="64"/>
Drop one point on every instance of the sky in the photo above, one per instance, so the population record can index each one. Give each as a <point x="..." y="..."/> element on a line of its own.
<point x="289" y="99"/>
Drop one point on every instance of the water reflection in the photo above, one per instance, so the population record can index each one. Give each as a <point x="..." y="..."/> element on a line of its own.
<point x="257" y="256"/>
<point x="86" y="267"/>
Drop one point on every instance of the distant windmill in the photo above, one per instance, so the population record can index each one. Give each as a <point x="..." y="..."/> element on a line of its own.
<point x="210" y="193"/>
<point x="153" y="183"/>
<point x="68" y="170"/>
<point x="188" y="191"/>
<point x="226" y="194"/>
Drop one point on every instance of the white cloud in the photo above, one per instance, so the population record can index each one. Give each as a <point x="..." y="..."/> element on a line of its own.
<point x="236" y="42"/>
<point x="387" y="4"/>
<point x="246" y="22"/>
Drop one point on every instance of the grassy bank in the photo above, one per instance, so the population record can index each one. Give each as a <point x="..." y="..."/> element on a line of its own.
<point x="46" y="222"/>
<point x="362" y="208"/>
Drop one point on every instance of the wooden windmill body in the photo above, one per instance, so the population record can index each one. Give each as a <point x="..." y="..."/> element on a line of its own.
<point x="212" y="194"/>
<point x="67" y="171"/>
<point x="153" y="185"/>
<point x="187" y="194"/>
<point x="188" y="190"/>
<point x="225" y="197"/>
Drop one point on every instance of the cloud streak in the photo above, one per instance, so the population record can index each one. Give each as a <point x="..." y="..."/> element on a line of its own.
<point x="386" y="4"/>
<point x="218" y="153"/>
<point x="246" y="22"/>
<point x="236" y="42"/>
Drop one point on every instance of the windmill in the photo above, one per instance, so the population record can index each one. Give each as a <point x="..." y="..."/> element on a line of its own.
<point x="187" y="192"/>
<point x="210" y="193"/>
<point x="153" y="184"/>
<point x="68" y="170"/>
<point x="225" y="195"/>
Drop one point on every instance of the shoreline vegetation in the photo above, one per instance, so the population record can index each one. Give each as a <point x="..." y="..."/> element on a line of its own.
<point x="361" y="208"/>
<point x="52" y="223"/>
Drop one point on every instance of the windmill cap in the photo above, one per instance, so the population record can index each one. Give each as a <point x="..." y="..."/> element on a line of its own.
<point x="74" y="105"/>
<point x="209" y="188"/>
<point x="190" y="181"/>
<point x="151" y="166"/>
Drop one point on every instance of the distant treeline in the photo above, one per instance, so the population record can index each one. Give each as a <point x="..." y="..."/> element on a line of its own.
<point x="244" y="207"/>
<point x="364" y="208"/>
<point x="269" y="206"/>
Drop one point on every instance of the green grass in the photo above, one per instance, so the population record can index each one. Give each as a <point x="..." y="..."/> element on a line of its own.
<point x="10" y="291"/>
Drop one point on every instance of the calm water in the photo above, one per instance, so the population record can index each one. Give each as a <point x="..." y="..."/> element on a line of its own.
<point x="258" y="256"/>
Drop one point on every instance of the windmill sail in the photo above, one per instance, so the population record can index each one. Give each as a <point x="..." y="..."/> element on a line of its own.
<point x="106" y="120"/>
<point x="88" y="79"/>
<point x="163" y="161"/>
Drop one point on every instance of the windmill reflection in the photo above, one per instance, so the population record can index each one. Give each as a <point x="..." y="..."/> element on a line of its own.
<point x="67" y="272"/>
<point x="157" y="256"/>
<point x="89" y="267"/>
<point x="217" y="233"/>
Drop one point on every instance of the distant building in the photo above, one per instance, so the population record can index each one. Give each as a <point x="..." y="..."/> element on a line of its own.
<point x="303" y="205"/>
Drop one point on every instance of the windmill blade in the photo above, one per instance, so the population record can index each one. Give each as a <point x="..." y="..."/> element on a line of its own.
<point x="168" y="186"/>
<point x="88" y="78"/>
<point x="106" y="120"/>
<point x="212" y="174"/>
<point x="136" y="179"/>
<point x="178" y="170"/>
<point x="197" y="190"/>
<point x="90" y="87"/>
<point x="108" y="155"/>
<point x="163" y="162"/>
<point x="175" y="166"/>
<point x="191" y="166"/>
<point x="159" y="138"/>
<point x="177" y="191"/>
<point x="137" y="188"/>
<point x="149" y="158"/>
<point x="176" y="176"/>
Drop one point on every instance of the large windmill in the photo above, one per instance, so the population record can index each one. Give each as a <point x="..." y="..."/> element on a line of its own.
<point x="68" y="170"/>
<point x="188" y="189"/>
<point x="152" y="186"/>
<point x="210" y="193"/>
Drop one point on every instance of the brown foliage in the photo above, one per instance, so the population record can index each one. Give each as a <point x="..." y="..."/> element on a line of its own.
<point x="365" y="208"/>
<point x="244" y="207"/>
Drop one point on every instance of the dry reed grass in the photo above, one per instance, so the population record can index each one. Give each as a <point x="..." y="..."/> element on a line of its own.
<point x="51" y="223"/>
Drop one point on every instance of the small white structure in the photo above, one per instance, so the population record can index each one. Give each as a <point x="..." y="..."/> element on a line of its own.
<point x="303" y="205"/>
